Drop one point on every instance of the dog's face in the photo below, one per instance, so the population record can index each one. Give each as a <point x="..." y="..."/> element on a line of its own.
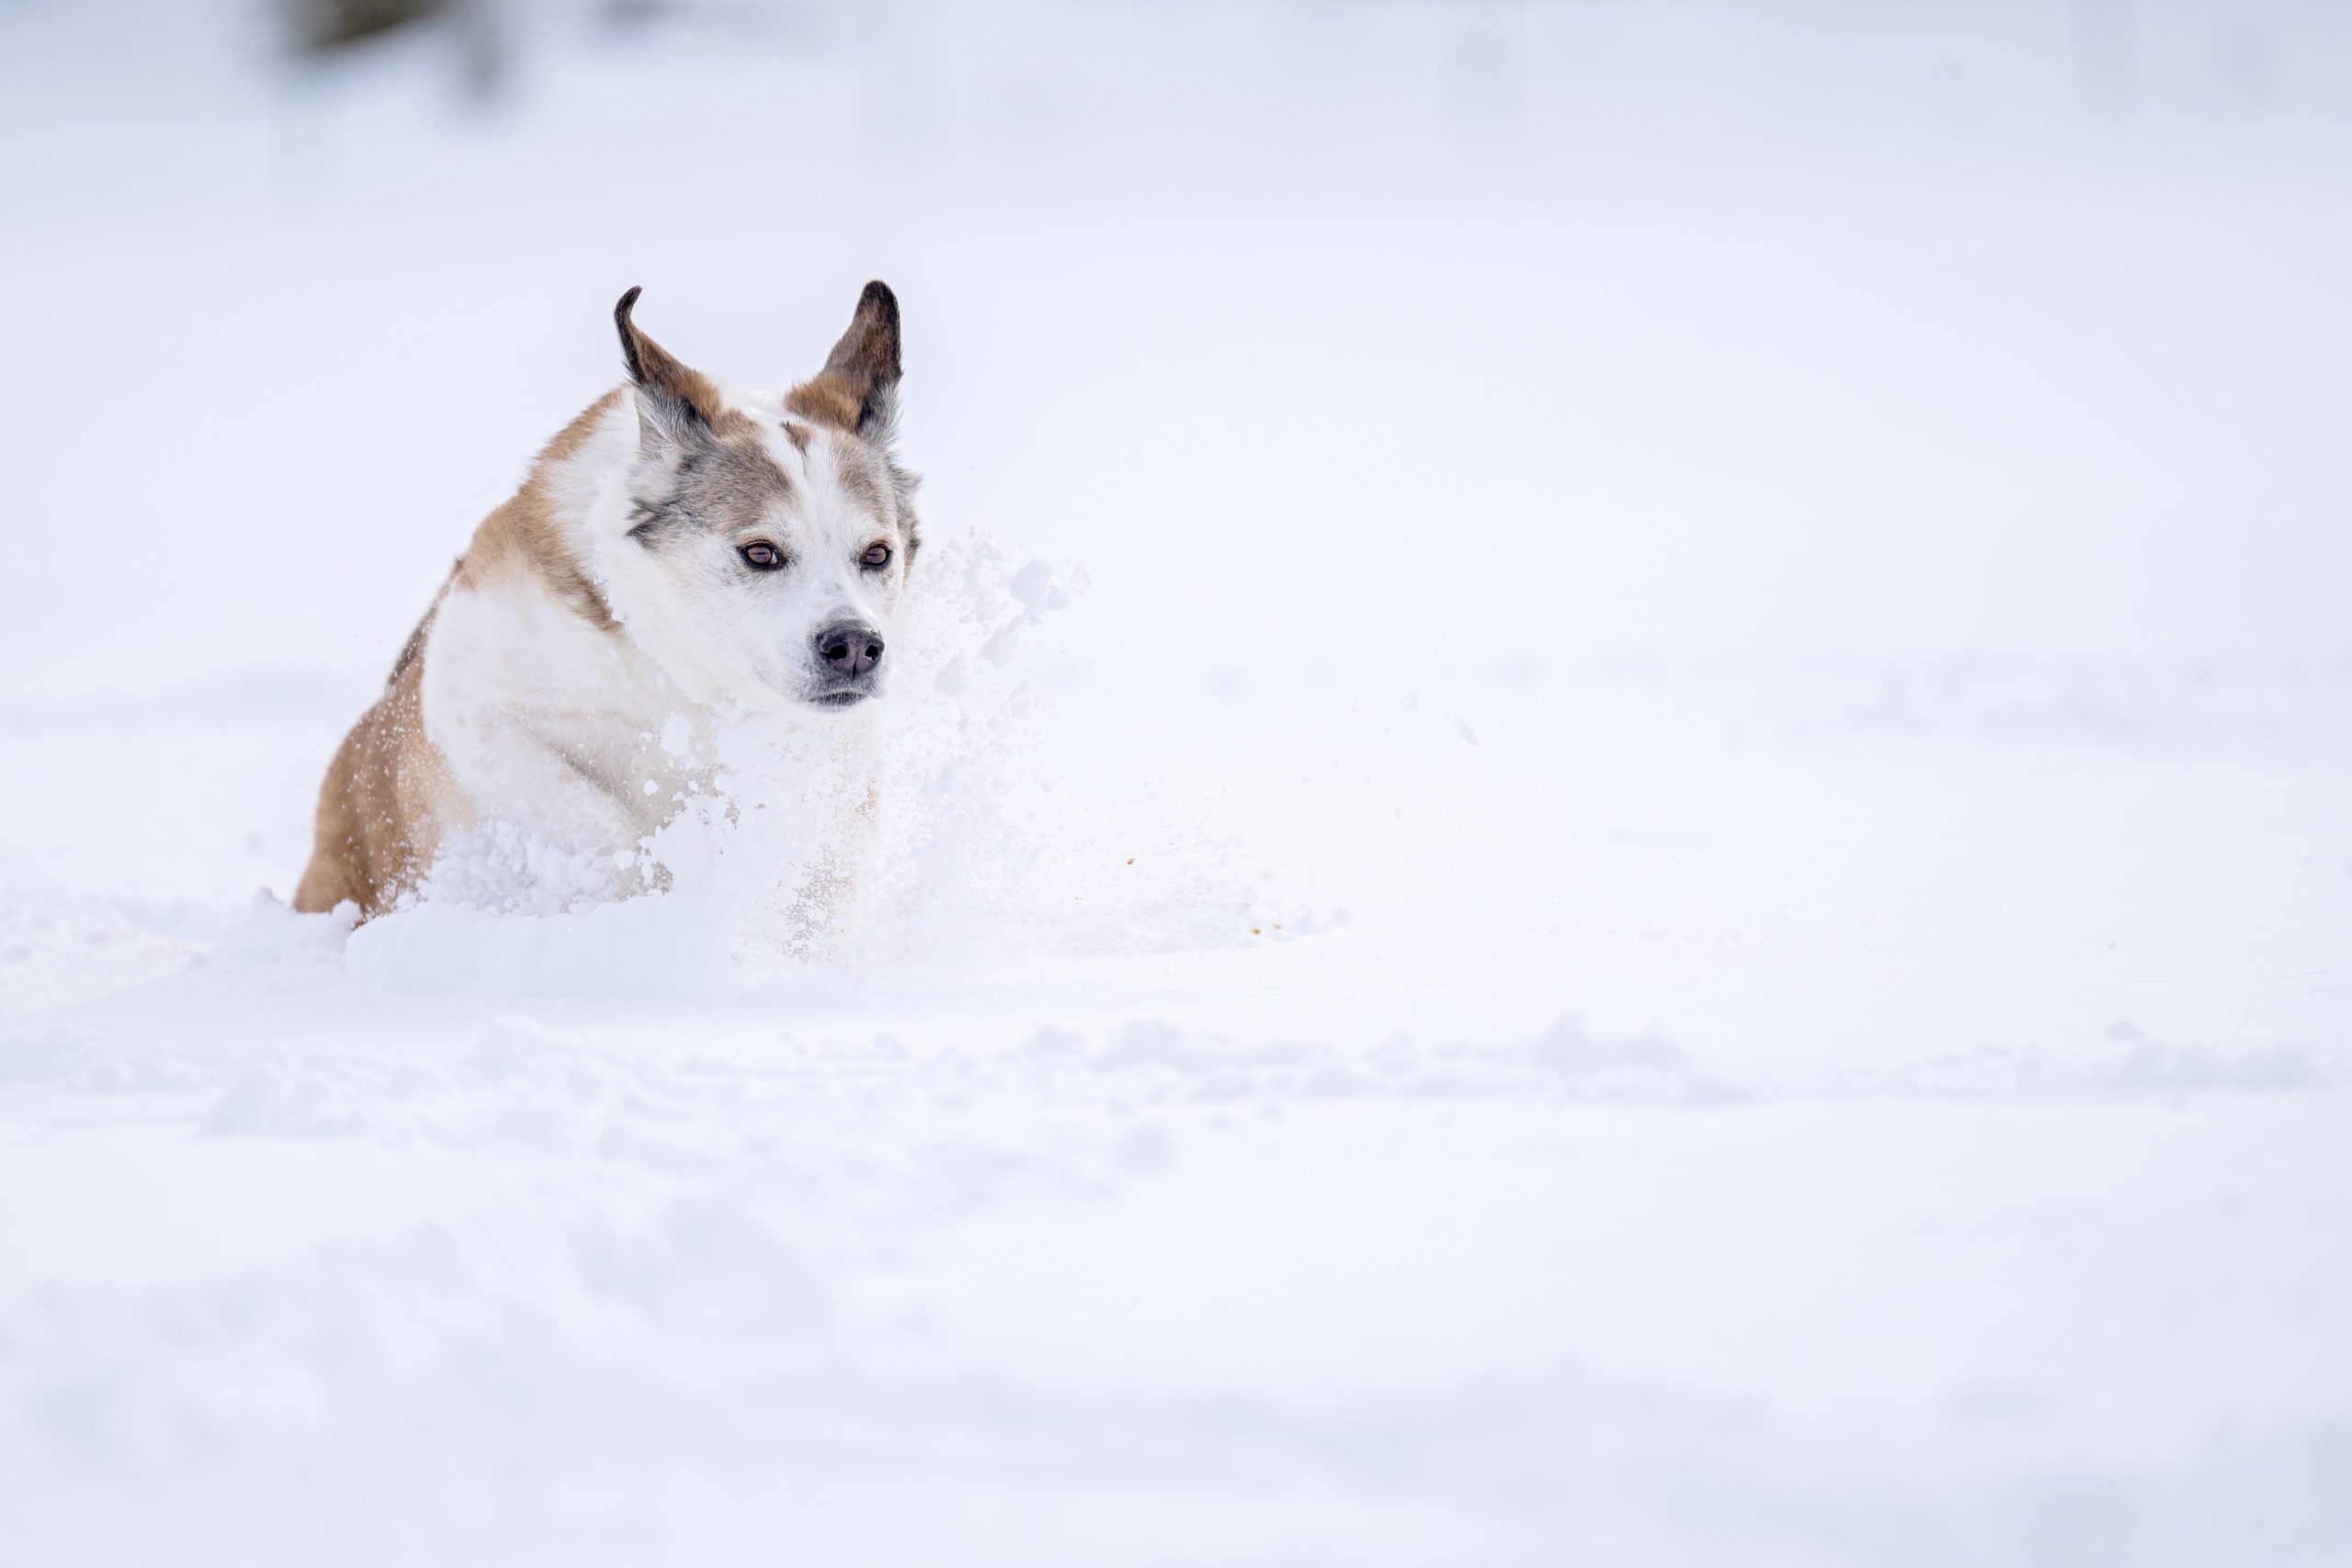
<point x="769" y="538"/>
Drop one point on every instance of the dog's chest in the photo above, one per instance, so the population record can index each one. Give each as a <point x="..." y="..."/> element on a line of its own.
<point x="553" y="723"/>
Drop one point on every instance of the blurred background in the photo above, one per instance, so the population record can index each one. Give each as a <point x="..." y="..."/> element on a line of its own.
<point x="1330" y="335"/>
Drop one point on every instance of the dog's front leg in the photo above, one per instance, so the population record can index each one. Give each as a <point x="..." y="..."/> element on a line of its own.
<point x="546" y="815"/>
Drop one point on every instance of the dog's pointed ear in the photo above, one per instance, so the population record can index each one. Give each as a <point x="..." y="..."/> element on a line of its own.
<point x="674" y="401"/>
<point x="858" y="388"/>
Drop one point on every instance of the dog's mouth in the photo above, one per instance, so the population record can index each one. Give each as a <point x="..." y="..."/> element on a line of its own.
<point x="839" y="699"/>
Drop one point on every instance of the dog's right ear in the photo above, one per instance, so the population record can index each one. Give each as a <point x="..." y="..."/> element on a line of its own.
<point x="674" y="401"/>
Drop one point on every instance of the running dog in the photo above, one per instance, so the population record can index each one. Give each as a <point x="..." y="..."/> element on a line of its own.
<point x="681" y="549"/>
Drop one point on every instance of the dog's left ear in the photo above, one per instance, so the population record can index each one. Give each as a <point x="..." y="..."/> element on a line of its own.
<point x="858" y="388"/>
<point x="674" y="401"/>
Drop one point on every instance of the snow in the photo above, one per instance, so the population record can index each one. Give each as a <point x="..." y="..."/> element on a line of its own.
<point x="1619" y="832"/>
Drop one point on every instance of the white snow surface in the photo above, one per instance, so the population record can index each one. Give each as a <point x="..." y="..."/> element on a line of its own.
<point x="1619" y="829"/>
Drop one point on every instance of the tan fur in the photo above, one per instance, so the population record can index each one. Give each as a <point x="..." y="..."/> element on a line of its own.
<point x="388" y="790"/>
<point x="377" y="809"/>
<point x="662" y="374"/>
<point x="860" y="373"/>
<point x="520" y="536"/>
<point x="829" y="399"/>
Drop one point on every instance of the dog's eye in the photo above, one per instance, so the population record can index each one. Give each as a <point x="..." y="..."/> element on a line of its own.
<point x="762" y="556"/>
<point x="875" y="558"/>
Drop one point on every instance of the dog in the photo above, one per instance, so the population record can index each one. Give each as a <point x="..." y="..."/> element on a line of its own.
<point x="682" y="553"/>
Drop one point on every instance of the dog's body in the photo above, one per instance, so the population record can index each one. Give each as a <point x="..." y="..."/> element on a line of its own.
<point x="679" y="553"/>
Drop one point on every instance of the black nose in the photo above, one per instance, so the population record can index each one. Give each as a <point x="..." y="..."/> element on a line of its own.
<point x="850" y="650"/>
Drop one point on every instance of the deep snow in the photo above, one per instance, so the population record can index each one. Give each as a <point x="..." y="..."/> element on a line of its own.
<point x="1656" y="868"/>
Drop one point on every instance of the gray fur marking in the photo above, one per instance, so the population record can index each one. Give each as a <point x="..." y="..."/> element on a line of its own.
<point x="721" y="484"/>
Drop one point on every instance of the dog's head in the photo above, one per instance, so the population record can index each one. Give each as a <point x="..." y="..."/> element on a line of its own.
<point x="768" y="536"/>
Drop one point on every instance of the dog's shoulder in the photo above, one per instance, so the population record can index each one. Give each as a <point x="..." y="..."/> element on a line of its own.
<point x="535" y="537"/>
